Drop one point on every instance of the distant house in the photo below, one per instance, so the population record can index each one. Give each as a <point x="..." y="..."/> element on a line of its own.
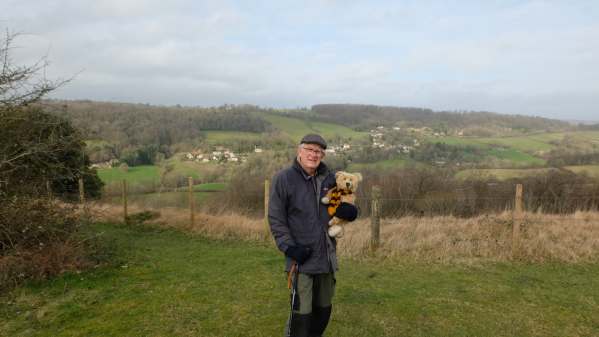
<point x="258" y="150"/>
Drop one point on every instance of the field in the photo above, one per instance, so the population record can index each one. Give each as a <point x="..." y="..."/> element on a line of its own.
<point x="297" y="128"/>
<point x="134" y="174"/>
<point x="501" y="174"/>
<point x="163" y="282"/>
<point x="591" y="170"/>
<point x="221" y="137"/>
<point x="382" y="165"/>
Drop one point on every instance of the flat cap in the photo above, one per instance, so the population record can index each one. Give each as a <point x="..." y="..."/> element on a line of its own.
<point x="314" y="139"/>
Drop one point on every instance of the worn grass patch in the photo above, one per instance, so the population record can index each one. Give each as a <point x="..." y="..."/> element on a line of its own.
<point x="168" y="283"/>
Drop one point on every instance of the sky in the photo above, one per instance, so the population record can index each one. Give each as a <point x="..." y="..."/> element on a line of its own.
<point x="536" y="58"/>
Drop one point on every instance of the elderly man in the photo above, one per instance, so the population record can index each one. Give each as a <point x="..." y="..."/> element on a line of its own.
<point x="299" y="222"/>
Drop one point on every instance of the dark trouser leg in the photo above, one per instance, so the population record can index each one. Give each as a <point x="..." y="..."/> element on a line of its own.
<point x="324" y="289"/>
<point x="320" y="320"/>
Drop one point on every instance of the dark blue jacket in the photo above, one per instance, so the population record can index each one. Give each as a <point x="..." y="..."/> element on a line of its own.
<point x="297" y="217"/>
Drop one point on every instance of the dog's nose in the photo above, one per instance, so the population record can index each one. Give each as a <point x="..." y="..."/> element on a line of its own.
<point x="348" y="184"/>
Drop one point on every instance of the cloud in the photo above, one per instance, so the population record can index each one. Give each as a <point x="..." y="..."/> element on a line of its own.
<point x="532" y="57"/>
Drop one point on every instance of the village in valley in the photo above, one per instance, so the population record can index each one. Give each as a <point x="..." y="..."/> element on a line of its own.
<point x="403" y="140"/>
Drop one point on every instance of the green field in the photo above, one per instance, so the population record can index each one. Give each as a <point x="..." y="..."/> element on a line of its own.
<point x="168" y="283"/>
<point x="134" y="174"/>
<point x="383" y="165"/>
<point x="151" y="173"/>
<point x="501" y="174"/>
<point x="297" y="128"/>
<point x="221" y="137"/>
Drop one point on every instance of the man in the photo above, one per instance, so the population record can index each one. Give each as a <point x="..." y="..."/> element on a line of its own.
<point x="299" y="222"/>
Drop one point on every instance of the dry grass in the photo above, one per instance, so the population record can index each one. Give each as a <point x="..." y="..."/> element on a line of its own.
<point x="567" y="238"/>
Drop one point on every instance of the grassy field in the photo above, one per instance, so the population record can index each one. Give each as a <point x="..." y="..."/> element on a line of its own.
<point x="134" y="174"/>
<point x="168" y="283"/>
<point x="296" y="128"/>
<point x="501" y="174"/>
<point x="591" y="170"/>
<point x="220" y="137"/>
<point x="383" y="165"/>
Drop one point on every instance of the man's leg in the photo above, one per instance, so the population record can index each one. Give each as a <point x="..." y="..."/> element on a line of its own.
<point x="324" y="290"/>
<point x="302" y="313"/>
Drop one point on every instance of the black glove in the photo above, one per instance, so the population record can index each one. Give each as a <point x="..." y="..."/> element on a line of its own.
<point x="299" y="253"/>
<point x="346" y="211"/>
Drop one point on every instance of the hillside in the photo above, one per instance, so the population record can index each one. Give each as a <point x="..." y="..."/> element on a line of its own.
<point x="141" y="134"/>
<point x="474" y="123"/>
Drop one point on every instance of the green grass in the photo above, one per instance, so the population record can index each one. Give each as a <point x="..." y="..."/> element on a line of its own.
<point x="151" y="173"/>
<point x="168" y="283"/>
<point x="220" y="137"/>
<point x="210" y="187"/>
<point x="134" y="174"/>
<point x="501" y="174"/>
<point x="297" y="128"/>
<point x="383" y="165"/>
<point x="515" y="156"/>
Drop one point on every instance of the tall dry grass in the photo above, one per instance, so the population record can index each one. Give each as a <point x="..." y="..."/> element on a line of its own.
<point x="570" y="238"/>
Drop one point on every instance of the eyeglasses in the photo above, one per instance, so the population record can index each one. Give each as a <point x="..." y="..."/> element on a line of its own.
<point x="315" y="152"/>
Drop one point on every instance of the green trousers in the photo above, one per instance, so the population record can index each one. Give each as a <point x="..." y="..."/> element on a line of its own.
<point x="315" y="290"/>
<point x="312" y="305"/>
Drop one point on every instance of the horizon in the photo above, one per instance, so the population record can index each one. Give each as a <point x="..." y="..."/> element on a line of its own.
<point x="531" y="58"/>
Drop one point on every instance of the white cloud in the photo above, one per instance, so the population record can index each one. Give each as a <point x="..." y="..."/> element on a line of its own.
<point x="525" y="57"/>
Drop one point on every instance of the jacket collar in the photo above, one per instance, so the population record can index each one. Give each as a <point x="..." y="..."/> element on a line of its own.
<point x="320" y="170"/>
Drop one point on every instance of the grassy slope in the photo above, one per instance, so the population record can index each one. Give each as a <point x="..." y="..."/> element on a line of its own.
<point x="296" y="128"/>
<point x="167" y="283"/>
<point x="219" y="137"/>
<point x="134" y="174"/>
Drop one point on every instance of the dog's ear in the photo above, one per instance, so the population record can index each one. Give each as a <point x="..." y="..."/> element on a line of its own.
<point x="338" y="173"/>
<point x="359" y="175"/>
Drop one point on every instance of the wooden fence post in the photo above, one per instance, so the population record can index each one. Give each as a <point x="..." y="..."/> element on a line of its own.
<point x="191" y="202"/>
<point x="375" y="218"/>
<point x="81" y="192"/>
<point x="516" y="218"/>
<point x="49" y="189"/>
<point x="82" y="199"/>
<point x="124" y="201"/>
<point x="266" y="198"/>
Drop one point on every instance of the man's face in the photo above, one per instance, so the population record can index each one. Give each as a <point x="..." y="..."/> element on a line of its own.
<point x="309" y="156"/>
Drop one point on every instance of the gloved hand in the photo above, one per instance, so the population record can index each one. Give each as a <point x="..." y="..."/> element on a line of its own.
<point x="298" y="253"/>
<point x="346" y="211"/>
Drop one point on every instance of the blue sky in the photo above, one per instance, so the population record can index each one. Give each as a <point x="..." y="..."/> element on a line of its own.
<point x="526" y="57"/>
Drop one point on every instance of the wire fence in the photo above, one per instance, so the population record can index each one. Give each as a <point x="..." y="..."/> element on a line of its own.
<point x="524" y="224"/>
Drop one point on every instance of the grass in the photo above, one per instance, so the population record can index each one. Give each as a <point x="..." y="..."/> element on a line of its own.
<point x="134" y="174"/>
<point x="383" y="165"/>
<point x="515" y="156"/>
<point x="501" y="174"/>
<point x="297" y="128"/>
<point x="164" y="282"/>
<point x="155" y="201"/>
<point x="591" y="170"/>
<point x="220" y="137"/>
<point x="210" y="187"/>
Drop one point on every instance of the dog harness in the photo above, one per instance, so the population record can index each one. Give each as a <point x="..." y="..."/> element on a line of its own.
<point x="335" y="199"/>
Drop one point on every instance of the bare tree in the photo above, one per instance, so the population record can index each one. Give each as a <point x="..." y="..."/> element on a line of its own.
<point x="21" y="85"/>
<point x="35" y="146"/>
